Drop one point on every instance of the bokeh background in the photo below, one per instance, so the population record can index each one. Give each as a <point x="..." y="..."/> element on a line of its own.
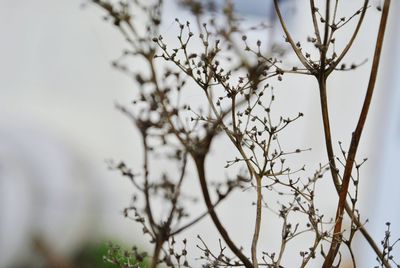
<point x="58" y="125"/>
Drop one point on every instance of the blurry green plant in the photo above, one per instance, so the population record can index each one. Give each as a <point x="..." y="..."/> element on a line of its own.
<point x="109" y="255"/>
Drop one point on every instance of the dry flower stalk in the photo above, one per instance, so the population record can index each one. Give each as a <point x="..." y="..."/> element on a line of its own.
<point x="234" y="75"/>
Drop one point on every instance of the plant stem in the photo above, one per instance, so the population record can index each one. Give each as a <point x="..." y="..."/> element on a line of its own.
<point x="327" y="129"/>
<point x="334" y="174"/>
<point x="336" y="240"/>
<point x="199" y="161"/>
<point x="257" y="223"/>
<point x="156" y="254"/>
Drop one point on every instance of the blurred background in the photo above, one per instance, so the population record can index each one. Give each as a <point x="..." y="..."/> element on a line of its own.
<point x="58" y="201"/>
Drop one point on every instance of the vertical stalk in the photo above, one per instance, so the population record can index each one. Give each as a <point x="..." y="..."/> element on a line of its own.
<point x="257" y="223"/>
<point x="336" y="240"/>
<point x="334" y="171"/>
<point x="156" y="254"/>
<point x="327" y="129"/>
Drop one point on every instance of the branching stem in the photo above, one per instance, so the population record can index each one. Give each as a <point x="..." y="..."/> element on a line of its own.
<point x="199" y="161"/>
<point x="336" y="240"/>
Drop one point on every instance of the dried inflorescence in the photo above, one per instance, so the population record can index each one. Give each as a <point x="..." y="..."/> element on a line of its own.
<point x="236" y="77"/>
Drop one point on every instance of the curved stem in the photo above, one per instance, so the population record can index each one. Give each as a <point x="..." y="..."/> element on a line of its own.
<point x="353" y="37"/>
<point x="196" y="220"/>
<point x="199" y="161"/>
<point x="289" y="38"/>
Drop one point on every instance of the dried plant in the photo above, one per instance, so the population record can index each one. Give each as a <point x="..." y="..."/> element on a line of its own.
<point x="235" y="76"/>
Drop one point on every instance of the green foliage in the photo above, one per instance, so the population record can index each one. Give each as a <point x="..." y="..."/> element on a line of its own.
<point x="107" y="255"/>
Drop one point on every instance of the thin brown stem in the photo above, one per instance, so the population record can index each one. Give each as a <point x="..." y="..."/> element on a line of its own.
<point x="334" y="171"/>
<point x="325" y="44"/>
<point x="156" y="254"/>
<point x="257" y="225"/>
<point x="336" y="240"/>
<point x="196" y="220"/>
<point x="315" y="22"/>
<point x="283" y="242"/>
<point x="351" y="41"/>
<point x="199" y="161"/>
<point x="174" y="200"/>
<point x="149" y="212"/>
<point x="327" y="130"/>
<point x="327" y="19"/>
<point x="289" y="38"/>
